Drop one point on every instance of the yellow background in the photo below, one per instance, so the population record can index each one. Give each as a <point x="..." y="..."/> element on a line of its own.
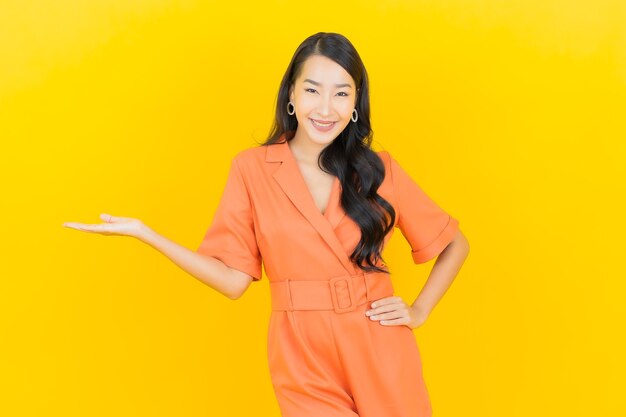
<point x="510" y="114"/>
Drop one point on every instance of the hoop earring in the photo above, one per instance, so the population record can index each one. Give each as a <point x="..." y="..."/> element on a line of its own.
<point x="355" y="118"/>
<point x="293" y="111"/>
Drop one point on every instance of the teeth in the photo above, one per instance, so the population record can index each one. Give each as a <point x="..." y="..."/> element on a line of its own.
<point x="322" y="124"/>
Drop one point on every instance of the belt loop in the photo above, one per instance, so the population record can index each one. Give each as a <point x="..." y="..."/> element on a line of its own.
<point x="288" y="289"/>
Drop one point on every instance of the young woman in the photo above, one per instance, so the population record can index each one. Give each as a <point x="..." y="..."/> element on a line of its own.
<point x="316" y="205"/>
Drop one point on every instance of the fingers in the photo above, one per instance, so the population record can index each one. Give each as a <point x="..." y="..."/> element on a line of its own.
<point x="390" y="311"/>
<point x="107" y="218"/>
<point x="381" y="303"/>
<point x="124" y="226"/>
<point x="85" y="227"/>
<point x="116" y="219"/>
<point x="95" y="228"/>
<point x="404" y="320"/>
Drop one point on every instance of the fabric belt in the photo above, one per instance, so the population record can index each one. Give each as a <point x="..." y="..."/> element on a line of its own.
<point x="341" y="293"/>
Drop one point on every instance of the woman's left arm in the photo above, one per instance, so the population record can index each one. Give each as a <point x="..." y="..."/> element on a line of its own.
<point x="442" y="275"/>
<point x="393" y="310"/>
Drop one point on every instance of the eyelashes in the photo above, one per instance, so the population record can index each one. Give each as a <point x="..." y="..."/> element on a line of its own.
<point x="341" y="92"/>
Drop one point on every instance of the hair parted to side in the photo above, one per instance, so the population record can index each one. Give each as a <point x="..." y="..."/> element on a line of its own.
<point x="349" y="156"/>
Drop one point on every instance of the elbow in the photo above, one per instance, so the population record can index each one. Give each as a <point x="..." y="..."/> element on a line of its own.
<point x="234" y="295"/>
<point x="235" y="292"/>
<point x="466" y="247"/>
<point x="239" y="284"/>
<point x="462" y="242"/>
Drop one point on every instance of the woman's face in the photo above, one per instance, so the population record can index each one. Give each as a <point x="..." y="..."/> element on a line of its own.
<point x="325" y="93"/>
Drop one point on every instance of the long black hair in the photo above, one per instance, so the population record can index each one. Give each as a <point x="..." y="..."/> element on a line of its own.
<point x="349" y="156"/>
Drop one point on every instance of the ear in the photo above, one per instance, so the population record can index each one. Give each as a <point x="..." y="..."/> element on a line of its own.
<point x="291" y="93"/>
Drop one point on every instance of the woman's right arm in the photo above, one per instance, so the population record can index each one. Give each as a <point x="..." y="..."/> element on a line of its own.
<point x="211" y="271"/>
<point x="230" y="282"/>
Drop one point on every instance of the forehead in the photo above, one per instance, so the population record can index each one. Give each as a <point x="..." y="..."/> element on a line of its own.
<point x="324" y="70"/>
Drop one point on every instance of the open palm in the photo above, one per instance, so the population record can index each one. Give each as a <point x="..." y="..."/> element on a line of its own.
<point x="123" y="226"/>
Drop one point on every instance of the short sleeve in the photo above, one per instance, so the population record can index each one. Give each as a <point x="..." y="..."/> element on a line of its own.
<point x="427" y="227"/>
<point x="231" y="237"/>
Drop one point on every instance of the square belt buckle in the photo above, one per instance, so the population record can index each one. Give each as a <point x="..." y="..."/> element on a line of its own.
<point x="344" y="287"/>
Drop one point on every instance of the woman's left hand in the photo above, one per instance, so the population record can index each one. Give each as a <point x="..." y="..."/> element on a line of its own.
<point x="393" y="311"/>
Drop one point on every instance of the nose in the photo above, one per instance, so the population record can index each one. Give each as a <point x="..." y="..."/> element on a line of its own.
<point x="325" y="105"/>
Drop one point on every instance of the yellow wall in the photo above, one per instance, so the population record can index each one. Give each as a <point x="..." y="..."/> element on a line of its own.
<point x="510" y="114"/>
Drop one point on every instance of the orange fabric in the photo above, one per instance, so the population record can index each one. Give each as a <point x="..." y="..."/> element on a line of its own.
<point x="325" y="356"/>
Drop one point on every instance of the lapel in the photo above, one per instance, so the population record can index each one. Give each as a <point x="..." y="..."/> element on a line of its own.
<point x="289" y="177"/>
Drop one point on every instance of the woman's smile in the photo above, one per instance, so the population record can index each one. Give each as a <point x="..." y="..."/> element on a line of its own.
<point x="322" y="126"/>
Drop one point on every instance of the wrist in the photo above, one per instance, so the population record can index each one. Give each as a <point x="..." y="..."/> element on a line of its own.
<point x="143" y="233"/>
<point x="420" y="313"/>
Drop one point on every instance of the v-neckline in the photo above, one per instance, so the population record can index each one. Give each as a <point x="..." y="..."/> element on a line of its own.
<point x="333" y="187"/>
<point x="293" y="185"/>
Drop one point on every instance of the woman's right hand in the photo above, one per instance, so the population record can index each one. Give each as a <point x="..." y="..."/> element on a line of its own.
<point x="123" y="226"/>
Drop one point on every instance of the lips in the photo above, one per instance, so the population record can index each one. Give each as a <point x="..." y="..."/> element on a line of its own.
<point x="322" y="125"/>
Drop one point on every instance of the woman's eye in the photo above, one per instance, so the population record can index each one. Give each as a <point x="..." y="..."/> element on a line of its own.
<point x="312" y="90"/>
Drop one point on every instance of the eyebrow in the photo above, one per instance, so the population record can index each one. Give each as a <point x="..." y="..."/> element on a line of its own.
<point x="336" y="85"/>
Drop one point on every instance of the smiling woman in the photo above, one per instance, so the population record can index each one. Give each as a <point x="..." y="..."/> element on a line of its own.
<point x="329" y="353"/>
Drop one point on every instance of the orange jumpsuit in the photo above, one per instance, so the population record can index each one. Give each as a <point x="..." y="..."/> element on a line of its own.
<point x="325" y="356"/>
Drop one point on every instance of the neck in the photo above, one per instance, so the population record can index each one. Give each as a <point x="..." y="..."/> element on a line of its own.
<point x="304" y="149"/>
